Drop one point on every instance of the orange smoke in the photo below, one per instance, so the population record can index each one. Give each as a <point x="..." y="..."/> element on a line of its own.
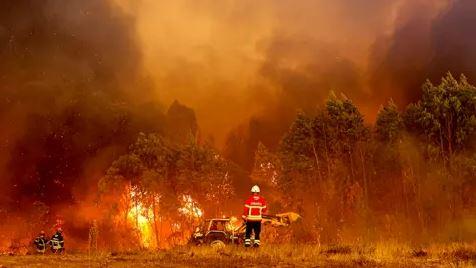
<point x="233" y="60"/>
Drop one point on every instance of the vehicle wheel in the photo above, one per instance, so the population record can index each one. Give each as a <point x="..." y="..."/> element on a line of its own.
<point x="193" y="242"/>
<point x="217" y="244"/>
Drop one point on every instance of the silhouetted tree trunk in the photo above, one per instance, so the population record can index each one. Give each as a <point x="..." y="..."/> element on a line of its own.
<point x="364" y="176"/>
<point x="156" y="231"/>
<point x="316" y="158"/>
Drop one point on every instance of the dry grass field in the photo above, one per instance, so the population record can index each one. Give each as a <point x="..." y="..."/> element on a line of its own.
<point x="379" y="255"/>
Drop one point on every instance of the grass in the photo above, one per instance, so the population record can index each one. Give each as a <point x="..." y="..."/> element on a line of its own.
<point x="287" y="255"/>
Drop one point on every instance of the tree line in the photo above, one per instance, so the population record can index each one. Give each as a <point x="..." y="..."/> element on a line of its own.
<point x="410" y="175"/>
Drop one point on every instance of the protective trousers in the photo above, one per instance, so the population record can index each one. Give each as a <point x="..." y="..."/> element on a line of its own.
<point x="252" y="226"/>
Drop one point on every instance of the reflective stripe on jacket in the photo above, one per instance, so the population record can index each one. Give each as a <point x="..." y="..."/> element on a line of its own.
<point x="255" y="207"/>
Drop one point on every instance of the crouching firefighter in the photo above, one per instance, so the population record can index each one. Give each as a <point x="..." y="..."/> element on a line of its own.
<point x="57" y="242"/>
<point x="255" y="207"/>
<point x="40" y="243"/>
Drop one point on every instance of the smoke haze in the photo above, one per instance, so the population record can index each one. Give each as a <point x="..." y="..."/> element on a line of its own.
<point x="79" y="79"/>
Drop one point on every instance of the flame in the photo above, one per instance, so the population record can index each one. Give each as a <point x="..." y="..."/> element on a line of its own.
<point x="141" y="218"/>
<point x="233" y="224"/>
<point x="190" y="207"/>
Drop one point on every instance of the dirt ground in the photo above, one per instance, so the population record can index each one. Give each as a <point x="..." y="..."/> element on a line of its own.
<point x="380" y="255"/>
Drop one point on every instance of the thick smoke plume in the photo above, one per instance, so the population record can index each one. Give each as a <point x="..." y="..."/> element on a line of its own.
<point x="73" y="96"/>
<point x="426" y="43"/>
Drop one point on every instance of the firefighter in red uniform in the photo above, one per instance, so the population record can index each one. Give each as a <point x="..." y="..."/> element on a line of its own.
<point x="255" y="207"/>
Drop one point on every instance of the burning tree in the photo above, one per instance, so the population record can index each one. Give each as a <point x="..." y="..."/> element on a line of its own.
<point x="161" y="182"/>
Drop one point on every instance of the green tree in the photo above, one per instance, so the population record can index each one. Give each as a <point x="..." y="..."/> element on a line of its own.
<point x="349" y="134"/>
<point x="386" y="160"/>
<point x="444" y="121"/>
<point x="266" y="166"/>
<point x="266" y="172"/>
<point x="204" y="174"/>
<point x="388" y="131"/>
<point x="321" y="128"/>
<point x="297" y="156"/>
<point x="445" y="115"/>
<point x="389" y="124"/>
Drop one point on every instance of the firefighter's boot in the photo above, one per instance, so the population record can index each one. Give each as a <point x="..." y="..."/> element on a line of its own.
<point x="247" y="243"/>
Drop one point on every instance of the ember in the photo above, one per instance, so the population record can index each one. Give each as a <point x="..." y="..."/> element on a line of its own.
<point x="190" y="207"/>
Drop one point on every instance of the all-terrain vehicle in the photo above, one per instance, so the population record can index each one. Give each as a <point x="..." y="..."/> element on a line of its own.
<point x="218" y="232"/>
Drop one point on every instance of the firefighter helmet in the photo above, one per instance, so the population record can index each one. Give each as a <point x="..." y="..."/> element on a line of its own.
<point x="59" y="230"/>
<point x="255" y="189"/>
